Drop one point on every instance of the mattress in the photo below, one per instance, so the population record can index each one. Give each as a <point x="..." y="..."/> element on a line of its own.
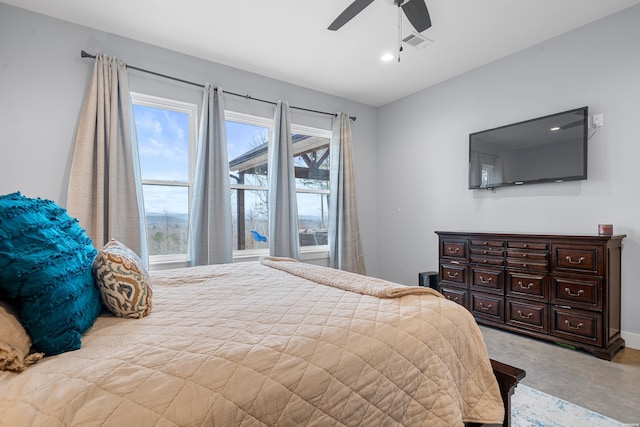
<point x="271" y="343"/>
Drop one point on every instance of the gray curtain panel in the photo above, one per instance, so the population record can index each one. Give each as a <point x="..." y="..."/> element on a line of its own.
<point x="283" y="207"/>
<point x="210" y="225"/>
<point x="345" y="247"/>
<point x="105" y="186"/>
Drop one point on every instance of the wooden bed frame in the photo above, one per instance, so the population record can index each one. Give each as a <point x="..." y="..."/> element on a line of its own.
<point x="508" y="378"/>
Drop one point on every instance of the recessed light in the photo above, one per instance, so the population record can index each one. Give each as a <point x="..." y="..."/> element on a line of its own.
<point x="387" y="57"/>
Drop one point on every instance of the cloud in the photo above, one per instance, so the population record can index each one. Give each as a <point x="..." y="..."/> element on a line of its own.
<point x="163" y="145"/>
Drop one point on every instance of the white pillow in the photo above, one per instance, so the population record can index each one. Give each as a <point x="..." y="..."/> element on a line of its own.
<point x="15" y="343"/>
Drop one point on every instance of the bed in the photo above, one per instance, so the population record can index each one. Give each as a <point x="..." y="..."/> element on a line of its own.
<point x="267" y="343"/>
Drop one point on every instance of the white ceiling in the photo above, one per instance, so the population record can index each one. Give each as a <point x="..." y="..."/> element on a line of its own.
<point x="288" y="39"/>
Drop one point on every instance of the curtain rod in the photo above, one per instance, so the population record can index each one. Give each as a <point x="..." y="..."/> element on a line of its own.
<point x="84" y="54"/>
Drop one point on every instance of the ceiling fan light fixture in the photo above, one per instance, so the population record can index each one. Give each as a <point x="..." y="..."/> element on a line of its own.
<point x="387" y="57"/>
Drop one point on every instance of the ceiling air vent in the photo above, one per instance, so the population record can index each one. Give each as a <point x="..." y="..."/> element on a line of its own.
<point x="416" y="40"/>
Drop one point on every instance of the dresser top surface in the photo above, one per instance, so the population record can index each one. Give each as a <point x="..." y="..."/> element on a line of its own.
<point x="518" y="235"/>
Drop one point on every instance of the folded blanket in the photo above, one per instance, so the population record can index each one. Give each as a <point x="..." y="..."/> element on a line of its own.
<point x="345" y="280"/>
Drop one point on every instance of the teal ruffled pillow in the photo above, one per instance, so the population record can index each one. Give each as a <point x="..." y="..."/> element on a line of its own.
<point x="45" y="270"/>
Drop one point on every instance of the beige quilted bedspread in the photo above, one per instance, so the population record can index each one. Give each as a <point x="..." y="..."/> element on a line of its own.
<point x="251" y="345"/>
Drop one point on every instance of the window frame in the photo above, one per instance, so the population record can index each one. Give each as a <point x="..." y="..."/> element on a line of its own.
<point x="191" y="110"/>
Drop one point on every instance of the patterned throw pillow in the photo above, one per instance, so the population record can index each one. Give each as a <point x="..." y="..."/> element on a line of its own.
<point x="125" y="287"/>
<point x="14" y="342"/>
<point x="45" y="271"/>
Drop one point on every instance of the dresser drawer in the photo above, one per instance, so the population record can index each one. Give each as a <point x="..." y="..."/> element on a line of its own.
<point x="487" y="306"/>
<point x="584" y="292"/>
<point x="586" y="259"/>
<point x="527" y="265"/>
<point x="489" y="243"/>
<point x="453" y="274"/>
<point x="481" y="259"/>
<point x="487" y="280"/>
<point x="577" y="325"/>
<point x="527" y="245"/>
<point x="530" y="286"/>
<point x="480" y="251"/>
<point x="529" y="315"/>
<point x="454" y="249"/>
<point x="541" y="256"/>
<point x="456" y="295"/>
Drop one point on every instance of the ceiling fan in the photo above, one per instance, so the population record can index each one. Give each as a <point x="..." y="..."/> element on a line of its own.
<point x="415" y="10"/>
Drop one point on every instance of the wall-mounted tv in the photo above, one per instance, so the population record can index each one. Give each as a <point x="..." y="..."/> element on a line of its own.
<point x="552" y="148"/>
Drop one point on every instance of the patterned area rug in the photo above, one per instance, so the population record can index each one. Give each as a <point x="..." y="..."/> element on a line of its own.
<point x="533" y="408"/>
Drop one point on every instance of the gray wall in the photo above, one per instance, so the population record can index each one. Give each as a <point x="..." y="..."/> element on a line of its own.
<point x="424" y="152"/>
<point x="43" y="80"/>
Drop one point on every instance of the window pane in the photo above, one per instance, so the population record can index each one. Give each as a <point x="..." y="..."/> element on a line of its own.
<point x="247" y="147"/>
<point x="311" y="161"/>
<point x="250" y="219"/>
<point x="313" y="216"/>
<point x="163" y="143"/>
<point x="166" y="209"/>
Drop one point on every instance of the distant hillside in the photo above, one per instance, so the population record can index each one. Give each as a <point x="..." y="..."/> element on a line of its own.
<point x="174" y="218"/>
<point x="167" y="233"/>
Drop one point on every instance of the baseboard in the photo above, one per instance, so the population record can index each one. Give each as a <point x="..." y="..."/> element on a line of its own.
<point x="631" y="340"/>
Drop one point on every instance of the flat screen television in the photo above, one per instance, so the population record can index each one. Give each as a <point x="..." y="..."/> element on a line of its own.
<point x="552" y="148"/>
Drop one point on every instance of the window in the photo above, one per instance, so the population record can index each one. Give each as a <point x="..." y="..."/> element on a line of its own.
<point x="248" y="140"/>
<point x="166" y="132"/>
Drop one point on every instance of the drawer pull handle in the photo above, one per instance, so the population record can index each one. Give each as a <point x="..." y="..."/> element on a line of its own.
<point x="488" y="307"/>
<point x="528" y="316"/>
<point x="454" y="250"/>
<point x="568" y="291"/>
<point x="454" y="300"/>
<point x="525" y="246"/>
<point x="452" y="276"/>
<point x="485" y="252"/>
<point x="525" y="265"/>
<point x="524" y="255"/>
<point x="571" y="261"/>
<point x="578" y="326"/>
<point x="528" y="286"/>
<point x="482" y="280"/>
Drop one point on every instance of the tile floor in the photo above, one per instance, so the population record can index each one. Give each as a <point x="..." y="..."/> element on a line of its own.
<point x="611" y="388"/>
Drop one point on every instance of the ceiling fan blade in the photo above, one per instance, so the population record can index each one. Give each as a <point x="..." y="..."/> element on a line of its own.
<point x="349" y="13"/>
<point x="417" y="13"/>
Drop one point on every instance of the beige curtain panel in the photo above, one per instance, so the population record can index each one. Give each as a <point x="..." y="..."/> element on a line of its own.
<point x="105" y="187"/>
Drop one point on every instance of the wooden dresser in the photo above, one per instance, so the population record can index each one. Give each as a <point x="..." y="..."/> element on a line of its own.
<point x="562" y="288"/>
